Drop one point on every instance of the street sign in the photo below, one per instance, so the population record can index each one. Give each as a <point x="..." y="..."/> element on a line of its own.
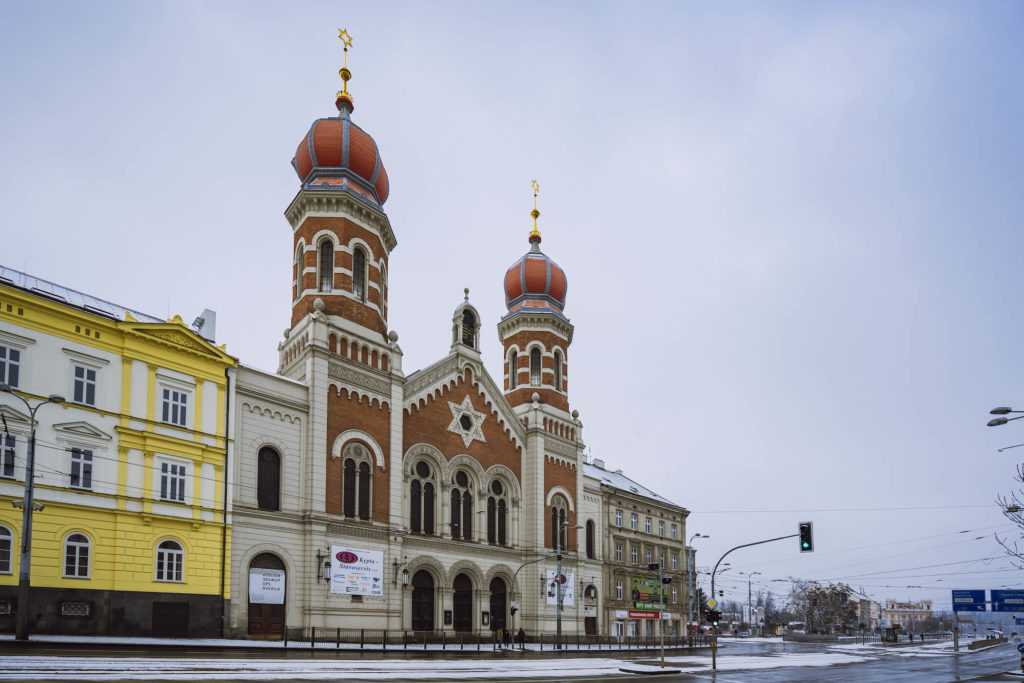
<point x="712" y="603"/>
<point x="1020" y="648"/>
<point x="1007" y="601"/>
<point x="968" y="601"/>
<point x="1019" y="621"/>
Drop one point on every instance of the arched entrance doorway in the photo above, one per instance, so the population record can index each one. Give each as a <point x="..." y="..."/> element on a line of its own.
<point x="499" y="602"/>
<point x="422" y="601"/>
<point x="590" y="610"/>
<point x="266" y="596"/>
<point x="462" y="603"/>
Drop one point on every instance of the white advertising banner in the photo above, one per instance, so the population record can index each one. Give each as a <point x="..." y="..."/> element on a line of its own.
<point x="355" y="571"/>
<point x="568" y="592"/>
<point x="266" y="586"/>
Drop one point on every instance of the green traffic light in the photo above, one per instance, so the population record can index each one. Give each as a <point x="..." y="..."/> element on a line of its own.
<point x="806" y="544"/>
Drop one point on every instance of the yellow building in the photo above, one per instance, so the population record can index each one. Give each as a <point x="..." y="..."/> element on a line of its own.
<point x="133" y="534"/>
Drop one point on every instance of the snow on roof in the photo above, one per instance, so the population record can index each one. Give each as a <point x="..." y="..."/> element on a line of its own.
<point x="618" y="480"/>
<point x="71" y="297"/>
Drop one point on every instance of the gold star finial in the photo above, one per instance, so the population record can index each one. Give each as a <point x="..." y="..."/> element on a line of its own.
<point x="535" y="213"/>
<point x="346" y="75"/>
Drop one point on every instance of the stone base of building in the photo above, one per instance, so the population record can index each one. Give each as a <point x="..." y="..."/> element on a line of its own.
<point x="60" y="611"/>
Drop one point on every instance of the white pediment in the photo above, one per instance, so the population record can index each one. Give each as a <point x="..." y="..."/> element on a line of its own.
<point x="82" y="430"/>
<point x="14" y="416"/>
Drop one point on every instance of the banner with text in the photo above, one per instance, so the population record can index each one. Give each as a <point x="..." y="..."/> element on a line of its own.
<point x="646" y="592"/>
<point x="266" y="586"/>
<point x="356" y="571"/>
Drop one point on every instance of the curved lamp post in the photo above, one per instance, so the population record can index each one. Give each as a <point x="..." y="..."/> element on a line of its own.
<point x="691" y="594"/>
<point x="1001" y="420"/>
<point x="25" y="567"/>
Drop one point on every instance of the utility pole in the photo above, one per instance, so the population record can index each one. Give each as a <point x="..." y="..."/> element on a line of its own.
<point x="28" y="507"/>
<point x="558" y="582"/>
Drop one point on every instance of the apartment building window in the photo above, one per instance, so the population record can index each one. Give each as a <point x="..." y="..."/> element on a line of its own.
<point x="175" y="407"/>
<point x="647" y="555"/>
<point x="6" y="541"/>
<point x="647" y="525"/>
<point x="618" y="552"/>
<point x="633" y="521"/>
<point x="81" y="468"/>
<point x="172" y="481"/>
<point x="635" y="555"/>
<point x="661" y="559"/>
<point x="661" y="528"/>
<point x="675" y="594"/>
<point x="76" y="556"/>
<point x="170" y="561"/>
<point x="618" y="590"/>
<point x="84" y="386"/>
<point x="10" y="366"/>
<point x="675" y="560"/>
<point x="9" y="442"/>
<point x="618" y="518"/>
<point x="673" y="532"/>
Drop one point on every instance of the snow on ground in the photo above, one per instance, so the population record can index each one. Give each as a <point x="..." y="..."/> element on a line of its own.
<point x="96" y="668"/>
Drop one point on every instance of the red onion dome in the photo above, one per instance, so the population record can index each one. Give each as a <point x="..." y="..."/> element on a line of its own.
<point x="535" y="281"/>
<point x="338" y="154"/>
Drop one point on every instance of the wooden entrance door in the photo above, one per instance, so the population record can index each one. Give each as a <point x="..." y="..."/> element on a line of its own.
<point x="499" y="601"/>
<point x="422" y="601"/>
<point x="266" y="621"/>
<point x="462" y="604"/>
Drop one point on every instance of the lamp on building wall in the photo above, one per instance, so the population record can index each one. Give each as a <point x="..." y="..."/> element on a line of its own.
<point x="323" y="565"/>
<point x="403" y="565"/>
<point x="28" y="507"/>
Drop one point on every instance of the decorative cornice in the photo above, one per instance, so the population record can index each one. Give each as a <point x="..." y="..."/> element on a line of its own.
<point x="519" y="321"/>
<point x="359" y="379"/>
<point x="319" y="201"/>
<point x="553" y="446"/>
<point x="429" y="377"/>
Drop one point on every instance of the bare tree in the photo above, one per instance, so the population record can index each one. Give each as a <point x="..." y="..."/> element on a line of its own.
<point x="1012" y="506"/>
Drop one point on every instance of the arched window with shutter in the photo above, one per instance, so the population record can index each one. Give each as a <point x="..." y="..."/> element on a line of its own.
<point x="268" y="479"/>
<point x="326" y="266"/>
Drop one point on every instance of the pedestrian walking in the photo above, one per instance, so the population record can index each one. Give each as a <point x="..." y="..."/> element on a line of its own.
<point x="521" y="637"/>
<point x="506" y="637"/>
<point x="498" y="637"/>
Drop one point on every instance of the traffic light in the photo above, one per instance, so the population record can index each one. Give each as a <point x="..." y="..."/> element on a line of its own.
<point x="666" y="580"/>
<point x="713" y="616"/>
<point x="514" y="610"/>
<point x="806" y="539"/>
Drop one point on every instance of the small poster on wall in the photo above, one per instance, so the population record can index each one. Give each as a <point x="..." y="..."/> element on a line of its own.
<point x="356" y="571"/>
<point x="568" y="593"/>
<point x="266" y="586"/>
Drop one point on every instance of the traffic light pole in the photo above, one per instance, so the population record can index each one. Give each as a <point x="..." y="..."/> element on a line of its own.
<point x="714" y="643"/>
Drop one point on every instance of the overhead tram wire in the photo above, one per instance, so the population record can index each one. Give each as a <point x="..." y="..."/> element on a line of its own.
<point x="807" y="510"/>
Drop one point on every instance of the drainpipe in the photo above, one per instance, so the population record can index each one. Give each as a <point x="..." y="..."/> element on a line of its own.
<point x="224" y="502"/>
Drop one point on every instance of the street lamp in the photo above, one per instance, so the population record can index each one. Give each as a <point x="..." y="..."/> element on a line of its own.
<point x="995" y="422"/>
<point x="750" y="607"/>
<point x="28" y="507"/>
<point x="692" y="592"/>
<point x="558" y="582"/>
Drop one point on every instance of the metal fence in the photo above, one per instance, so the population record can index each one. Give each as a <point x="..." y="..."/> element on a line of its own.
<point x="349" y="638"/>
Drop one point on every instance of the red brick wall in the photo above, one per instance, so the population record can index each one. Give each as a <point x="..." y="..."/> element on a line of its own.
<point x="346" y="412"/>
<point x="523" y="390"/>
<point x="429" y="424"/>
<point x="556" y="474"/>
<point x="340" y="305"/>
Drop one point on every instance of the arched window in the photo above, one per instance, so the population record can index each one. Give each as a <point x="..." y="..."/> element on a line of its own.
<point x="469" y="328"/>
<point x="170" y="561"/>
<point x="590" y="539"/>
<point x="497" y="513"/>
<point x="462" y="507"/>
<point x="421" y="499"/>
<point x="535" y="367"/>
<point x="558" y="522"/>
<point x="359" y="273"/>
<point x="558" y="370"/>
<point x="513" y="370"/>
<point x="326" y="266"/>
<point x="383" y="286"/>
<point x="6" y="541"/>
<point x="268" y="479"/>
<point x="356" y="481"/>
<point x="76" y="556"/>
<point x="298" y="271"/>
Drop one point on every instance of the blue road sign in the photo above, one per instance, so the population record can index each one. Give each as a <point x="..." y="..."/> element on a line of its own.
<point x="1019" y="621"/>
<point x="1020" y="648"/>
<point x="969" y="601"/>
<point x="1007" y="601"/>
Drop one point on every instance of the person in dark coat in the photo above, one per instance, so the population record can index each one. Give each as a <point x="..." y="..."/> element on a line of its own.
<point x="521" y="637"/>
<point x="506" y="636"/>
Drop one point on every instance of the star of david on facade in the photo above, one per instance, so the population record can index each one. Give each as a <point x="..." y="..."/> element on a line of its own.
<point x="466" y="422"/>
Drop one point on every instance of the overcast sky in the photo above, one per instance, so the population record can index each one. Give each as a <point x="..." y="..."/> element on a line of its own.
<point x="791" y="230"/>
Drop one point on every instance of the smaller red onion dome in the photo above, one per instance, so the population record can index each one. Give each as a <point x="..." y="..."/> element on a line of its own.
<point x="535" y="281"/>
